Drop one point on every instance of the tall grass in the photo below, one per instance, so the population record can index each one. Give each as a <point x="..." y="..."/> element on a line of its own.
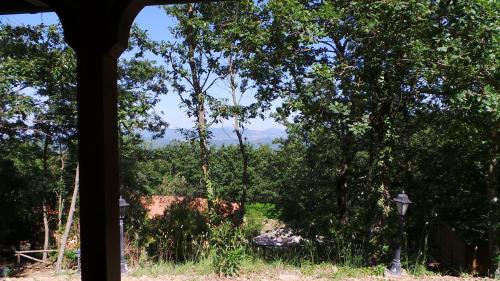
<point x="232" y="252"/>
<point x="162" y="268"/>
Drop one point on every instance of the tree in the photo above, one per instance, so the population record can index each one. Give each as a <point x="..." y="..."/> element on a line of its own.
<point x="235" y="30"/>
<point x="466" y="61"/>
<point x="42" y="71"/>
<point x="192" y="67"/>
<point x="69" y="221"/>
<point x="52" y="117"/>
<point x="474" y="89"/>
<point x="15" y="108"/>
<point x="361" y="75"/>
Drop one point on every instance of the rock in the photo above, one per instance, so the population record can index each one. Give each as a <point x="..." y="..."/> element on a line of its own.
<point x="280" y="237"/>
<point x="288" y="277"/>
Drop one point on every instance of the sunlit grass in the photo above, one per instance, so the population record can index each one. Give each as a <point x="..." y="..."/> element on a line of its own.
<point x="256" y="266"/>
<point x="156" y="269"/>
<point x="357" y="272"/>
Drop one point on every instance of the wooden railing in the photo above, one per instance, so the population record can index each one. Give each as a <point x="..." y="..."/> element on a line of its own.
<point x="20" y="254"/>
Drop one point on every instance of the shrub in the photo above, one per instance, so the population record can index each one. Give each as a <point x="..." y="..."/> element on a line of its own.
<point x="252" y="224"/>
<point x="71" y="258"/>
<point x="266" y="210"/>
<point x="228" y="249"/>
<point x="179" y="235"/>
<point x="255" y="217"/>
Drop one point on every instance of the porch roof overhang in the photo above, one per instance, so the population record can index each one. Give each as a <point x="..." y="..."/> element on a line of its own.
<point x="23" y="7"/>
<point x="36" y="6"/>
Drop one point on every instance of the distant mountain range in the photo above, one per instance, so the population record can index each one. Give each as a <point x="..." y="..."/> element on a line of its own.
<point x="222" y="136"/>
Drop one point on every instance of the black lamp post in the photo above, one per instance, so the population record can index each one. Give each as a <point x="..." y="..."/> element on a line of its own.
<point x="402" y="203"/>
<point x="123" y="209"/>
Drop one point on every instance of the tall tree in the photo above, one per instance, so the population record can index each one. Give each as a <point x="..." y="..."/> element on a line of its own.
<point x="236" y="34"/>
<point x="469" y="63"/>
<point x="48" y="73"/>
<point x="361" y="71"/>
<point x="192" y="69"/>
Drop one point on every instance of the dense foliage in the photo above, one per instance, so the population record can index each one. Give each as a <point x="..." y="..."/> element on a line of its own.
<point x="377" y="97"/>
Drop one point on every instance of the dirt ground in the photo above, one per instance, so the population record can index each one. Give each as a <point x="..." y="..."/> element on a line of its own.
<point x="271" y="275"/>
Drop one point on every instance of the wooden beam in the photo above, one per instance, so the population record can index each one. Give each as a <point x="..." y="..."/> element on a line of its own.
<point x="170" y="2"/>
<point x="98" y="156"/>
<point x="22" y="7"/>
<point x="31" y="258"/>
<point x="35" y="6"/>
<point x="35" y="251"/>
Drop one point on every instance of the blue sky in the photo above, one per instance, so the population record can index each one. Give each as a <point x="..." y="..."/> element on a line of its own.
<point x="157" y="23"/>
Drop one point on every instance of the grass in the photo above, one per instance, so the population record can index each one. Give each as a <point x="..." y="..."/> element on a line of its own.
<point x="321" y="270"/>
<point x="255" y="266"/>
<point x="250" y="265"/>
<point x="357" y="272"/>
<point x="156" y="269"/>
<point x="419" y="270"/>
<point x="303" y="261"/>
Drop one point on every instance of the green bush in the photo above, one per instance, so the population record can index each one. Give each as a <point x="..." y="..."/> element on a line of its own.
<point x="266" y="210"/>
<point x="255" y="217"/>
<point x="179" y="235"/>
<point x="252" y="225"/>
<point x="228" y="249"/>
<point x="70" y="258"/>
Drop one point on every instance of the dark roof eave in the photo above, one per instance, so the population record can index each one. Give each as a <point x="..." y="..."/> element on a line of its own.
<point x="22" y="7"/>
<point x="33" y="6"/>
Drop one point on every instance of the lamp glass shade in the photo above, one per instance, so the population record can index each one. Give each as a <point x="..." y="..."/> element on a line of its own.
<point x="402" y="208"/>
<point x="402" y="203"/>
<point x="123" y="207"/>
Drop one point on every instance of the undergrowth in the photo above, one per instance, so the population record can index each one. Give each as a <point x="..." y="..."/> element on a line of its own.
<point x="162" y="268"/>
<point x="254" y="265"/>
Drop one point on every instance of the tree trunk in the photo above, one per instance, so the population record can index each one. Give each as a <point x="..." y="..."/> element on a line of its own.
<point x="245" y="177"/>
<point x="244" y="155"/>
<point x="203" y="134"/>
<point x="44" y="205"/>
<point x="191" y="39"/>
<point x="60" y="207"/>
<point x="381" y="179"/>
<point x="342" y="183"/>
<point x="341" y="192"/>
<point x="47" y="230"/>
<point x="60" y="201"/>
<point x="69" y="220"/>
<point x="493" y="192"/>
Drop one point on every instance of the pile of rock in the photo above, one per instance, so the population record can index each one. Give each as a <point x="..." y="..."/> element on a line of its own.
<point x="280" y="237"/>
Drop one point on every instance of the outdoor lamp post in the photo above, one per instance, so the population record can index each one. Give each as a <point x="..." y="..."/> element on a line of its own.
<point x="123" y="208"/>
<point x="402" y="203"/>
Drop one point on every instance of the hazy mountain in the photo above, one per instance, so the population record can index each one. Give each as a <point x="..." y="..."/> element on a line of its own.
<point x="223" y="136"/>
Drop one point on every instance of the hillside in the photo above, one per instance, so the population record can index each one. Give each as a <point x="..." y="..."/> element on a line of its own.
<point x="222" y="136"/>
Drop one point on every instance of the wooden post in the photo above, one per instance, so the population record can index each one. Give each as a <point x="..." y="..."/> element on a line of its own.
<point x="98" y="156"/>
<point x="98" y="40"/>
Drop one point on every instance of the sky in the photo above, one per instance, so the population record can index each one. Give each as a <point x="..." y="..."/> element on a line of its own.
<point x="157" y="23"/>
